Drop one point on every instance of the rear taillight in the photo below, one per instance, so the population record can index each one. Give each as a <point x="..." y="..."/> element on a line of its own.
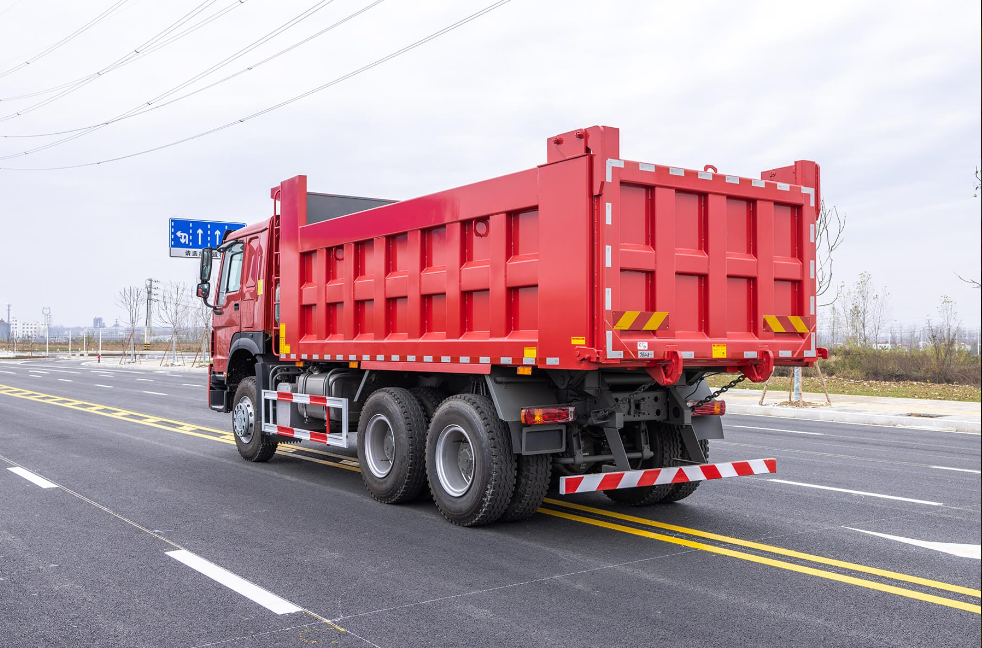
<point x="542" y="415"/>
<point x="712" y="408"/>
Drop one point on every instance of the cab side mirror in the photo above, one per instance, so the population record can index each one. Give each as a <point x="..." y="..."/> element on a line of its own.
<point x="205" y="272"/>
<point x="204" y="289"/>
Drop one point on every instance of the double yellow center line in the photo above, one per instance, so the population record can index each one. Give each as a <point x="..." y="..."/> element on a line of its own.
<point x="611" y="520"/>
<point x="766" y="560"/>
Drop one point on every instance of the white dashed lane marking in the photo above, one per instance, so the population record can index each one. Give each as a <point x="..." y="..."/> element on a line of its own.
<point x="755" y="427"/>
<point x="31" y="477"/>
<point x="154" y="393"/>
<point x="968" y="470"/>
<point x="236" y="583"/>
<point x="855" y="492"/>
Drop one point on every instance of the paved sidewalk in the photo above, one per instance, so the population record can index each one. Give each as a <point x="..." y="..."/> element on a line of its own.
<point x="149" y="365"/>
<point x="956" y="416"/>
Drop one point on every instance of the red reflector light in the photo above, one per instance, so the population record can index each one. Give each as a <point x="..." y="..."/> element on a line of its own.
<point x="542" y="415"/>
<point x="712" y="408"/>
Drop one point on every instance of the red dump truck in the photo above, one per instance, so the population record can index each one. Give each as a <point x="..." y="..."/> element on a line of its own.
<point x="480" y="340"/>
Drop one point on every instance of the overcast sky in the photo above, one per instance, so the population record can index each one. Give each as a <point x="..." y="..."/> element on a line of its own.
<point x="885" y="96"/>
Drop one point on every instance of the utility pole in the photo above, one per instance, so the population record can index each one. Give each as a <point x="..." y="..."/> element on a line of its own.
<point x="46" y="313"/>
<point x="153" y="288"/>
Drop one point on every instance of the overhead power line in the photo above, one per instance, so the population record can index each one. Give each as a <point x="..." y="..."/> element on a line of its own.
<point x="281" y="104"/>
<point x="51" y="48"/>
<point x="150" y="106"/>
<point x="16" y="2"/>
<point x="142" y="106"/>
<point x="159" y="41"/>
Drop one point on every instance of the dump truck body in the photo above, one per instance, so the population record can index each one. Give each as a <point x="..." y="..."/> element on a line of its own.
<point x="580" y="302"/>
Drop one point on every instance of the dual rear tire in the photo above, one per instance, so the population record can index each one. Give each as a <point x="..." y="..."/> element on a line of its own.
<point x="458" y="446"/>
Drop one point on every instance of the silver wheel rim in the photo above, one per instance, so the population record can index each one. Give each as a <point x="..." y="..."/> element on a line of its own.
<point x="455" y="460"/>
<point x="244" y="420"/>
<point x="380" y="445"/>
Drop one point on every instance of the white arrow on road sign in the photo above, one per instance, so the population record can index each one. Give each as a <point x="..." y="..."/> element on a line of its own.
<point x="199" y="236"/>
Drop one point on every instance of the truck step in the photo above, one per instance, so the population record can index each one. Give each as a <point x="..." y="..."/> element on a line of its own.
<point x="659" y="476"/>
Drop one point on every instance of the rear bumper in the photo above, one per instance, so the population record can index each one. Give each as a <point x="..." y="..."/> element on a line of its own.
<point x="660" y="476"/>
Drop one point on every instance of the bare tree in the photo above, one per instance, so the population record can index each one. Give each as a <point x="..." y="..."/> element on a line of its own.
<point x="976" y="184"/>
<point x="201" y="315"/>
<point x="867" y="313"/>
<point x="828" y="237"/>
<point x="132" y="301"/>
<point x="175" y="312"/>
<point x="943" y="335"/>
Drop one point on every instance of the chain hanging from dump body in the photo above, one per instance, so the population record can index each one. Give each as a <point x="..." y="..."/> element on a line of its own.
<point x="733" y="383"/>
<point x="607" y="411"/>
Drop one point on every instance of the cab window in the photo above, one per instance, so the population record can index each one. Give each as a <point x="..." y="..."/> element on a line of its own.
<point x="231" y="272"/>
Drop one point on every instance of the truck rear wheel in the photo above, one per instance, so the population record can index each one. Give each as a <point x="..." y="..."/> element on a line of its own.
<point x="250" y="441"/>
<point x="469" y="462"/>
<point x="532" y="476"/>
<point x="430" y="398"/>
<point x="666" y="443"/>
<point x="391" y="445"/>
<point x="681" y="491"/>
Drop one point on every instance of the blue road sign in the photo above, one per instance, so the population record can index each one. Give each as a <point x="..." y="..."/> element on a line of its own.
<point x="189" y="237"/>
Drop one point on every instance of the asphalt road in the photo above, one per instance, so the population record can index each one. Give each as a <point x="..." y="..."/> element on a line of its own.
<point x="153" y="532"/>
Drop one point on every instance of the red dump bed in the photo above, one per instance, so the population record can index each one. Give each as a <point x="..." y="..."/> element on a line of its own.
<point x="586" y="260"/>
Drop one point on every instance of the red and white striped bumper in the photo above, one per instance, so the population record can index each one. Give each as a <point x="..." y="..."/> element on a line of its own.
<point x="659" y="476"/>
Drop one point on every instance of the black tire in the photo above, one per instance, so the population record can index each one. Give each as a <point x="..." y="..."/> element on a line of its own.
<point x="682" y="491"/>
<point x="487" y="456"/>
<point x="392" y="445"/>
<point x="430" y="398"/>
<point x="666" y="443"/>
<point x="532" y="476"/>
<point x="250" y="441"/>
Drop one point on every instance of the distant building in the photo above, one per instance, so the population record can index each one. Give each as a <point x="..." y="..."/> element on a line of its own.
<point x="98" y="322"/>
<point x="4" y="331"/>
<point x="22" y="330"/>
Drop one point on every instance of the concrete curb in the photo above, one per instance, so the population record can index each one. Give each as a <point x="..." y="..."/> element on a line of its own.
<point x="144" y="367"/>
<point x="838" y="416"/>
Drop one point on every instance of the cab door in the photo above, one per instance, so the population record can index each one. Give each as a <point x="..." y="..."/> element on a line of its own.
<point x="252" y="283"/>
<point x="228" y="300"/>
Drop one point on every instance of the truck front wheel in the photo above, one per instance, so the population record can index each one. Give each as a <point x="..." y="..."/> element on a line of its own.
<point x="469" y="461"/>
<point x="391" y="445"/>
<point x="252" y="444"/>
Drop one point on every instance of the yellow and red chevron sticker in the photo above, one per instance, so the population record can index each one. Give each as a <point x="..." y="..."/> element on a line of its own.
<point x="640" y="321"/>
<point x="787" y="323"/>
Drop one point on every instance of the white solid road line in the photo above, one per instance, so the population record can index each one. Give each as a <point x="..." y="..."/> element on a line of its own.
<point x="106" y="386"/>
<point x="757" y="427"/>
<point x="31" y="477"/>
<point x="953" y="548"/>
<point x="249" y="590"/>
<point x="855" y="492"/>
<point x="968" y="470"/>
<point x="154" y="393"/>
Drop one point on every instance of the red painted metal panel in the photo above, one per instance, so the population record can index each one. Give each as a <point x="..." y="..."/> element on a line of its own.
<point x="530" y="268"/>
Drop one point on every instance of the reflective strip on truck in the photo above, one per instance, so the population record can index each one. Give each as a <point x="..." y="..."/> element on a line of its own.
<point x="787" y="324"/>
<point x="660" y="476"/>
